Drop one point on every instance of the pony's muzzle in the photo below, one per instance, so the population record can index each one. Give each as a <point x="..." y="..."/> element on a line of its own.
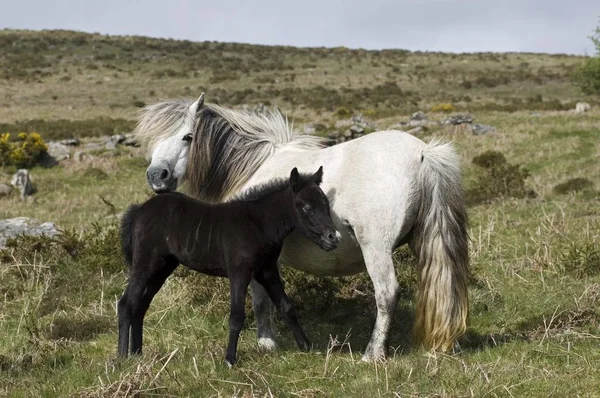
<point x="161" y="179"/>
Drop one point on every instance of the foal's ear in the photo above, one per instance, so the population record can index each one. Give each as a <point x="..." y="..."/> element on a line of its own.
<point x="295" y="182"/>
<point x="318" y="176"/>
<point x="197" y="105"/>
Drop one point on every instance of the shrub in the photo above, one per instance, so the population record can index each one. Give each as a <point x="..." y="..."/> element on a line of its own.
<point x="587" y="76"/>
<point x="580" y="259"/>
<point x="573" y="185"/>
<point x="370" y="112"/>
<point x="62" y="128"/>
<point x="343" y="112"/>
<point x="498" y="179"/>
<point x="23" y="152"/>
<point x="489" y="159"/>
<point x="445" y="107"/>
<point x="466" y="84"/>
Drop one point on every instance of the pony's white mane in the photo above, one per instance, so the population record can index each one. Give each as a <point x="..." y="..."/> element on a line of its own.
<point x="270" y="127"/>
<point x="230" y="146"/>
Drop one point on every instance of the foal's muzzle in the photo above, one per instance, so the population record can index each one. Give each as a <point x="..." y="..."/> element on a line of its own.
<point x="330" y="240"/>
<point x="161" y="179"/>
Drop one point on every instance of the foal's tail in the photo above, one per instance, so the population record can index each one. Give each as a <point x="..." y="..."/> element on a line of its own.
<point x="127" y="233"/>
<point x="441" y="244"/>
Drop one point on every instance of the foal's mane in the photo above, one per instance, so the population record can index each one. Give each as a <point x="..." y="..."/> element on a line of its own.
<point x="229" y="146"/>
<point x="261" y="190"/>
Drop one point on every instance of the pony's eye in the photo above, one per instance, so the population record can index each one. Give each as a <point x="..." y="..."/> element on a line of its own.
<point x="306" y="208"/>
<point x="187" y="138"/>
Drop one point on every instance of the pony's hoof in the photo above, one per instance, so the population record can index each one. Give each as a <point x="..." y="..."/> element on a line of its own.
<point x="267" y="344"/>
<point x="371" y="357"/>
<point x="229" y="363"/>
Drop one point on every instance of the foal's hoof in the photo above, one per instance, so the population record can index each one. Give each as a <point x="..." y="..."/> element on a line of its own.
<point x="229" y="363"/>
<point x="305" y="346"/>
<point x="267" y="344"/>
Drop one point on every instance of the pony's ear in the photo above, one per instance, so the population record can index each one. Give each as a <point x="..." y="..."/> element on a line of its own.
<point x="295" y="182"/>
<point x="318" y="176"/>
<point x="197" y="105"/>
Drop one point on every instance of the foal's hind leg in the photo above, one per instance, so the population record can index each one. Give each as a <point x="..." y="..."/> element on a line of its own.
<point x="269" y="277"/>
<point x="238" y="283"/>
<point x="124" y="315"/>
<point x="262" y="306"/>
<point x="141" y="294"/>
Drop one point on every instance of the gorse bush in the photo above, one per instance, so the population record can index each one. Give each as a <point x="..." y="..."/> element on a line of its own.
<point x="25" y="151"/>
<point x="445" y="107"/>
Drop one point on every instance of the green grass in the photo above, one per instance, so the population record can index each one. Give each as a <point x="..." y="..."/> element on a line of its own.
<point x="535" y="320"/>
<point x="534" y="315"/>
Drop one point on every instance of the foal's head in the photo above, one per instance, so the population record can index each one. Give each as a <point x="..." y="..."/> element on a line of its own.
<point x="313" y="216"/>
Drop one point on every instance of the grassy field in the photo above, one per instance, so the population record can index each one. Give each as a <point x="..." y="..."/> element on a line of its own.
<point x="535" y="317"/>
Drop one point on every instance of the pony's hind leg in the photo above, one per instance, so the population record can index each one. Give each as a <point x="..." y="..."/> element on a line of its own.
<point x="380" y="267"/>
<point x="262" y="306"/>
<point x="141" y="294"/>
<point x="239" y="288"/>
<point x="271" y="280"/>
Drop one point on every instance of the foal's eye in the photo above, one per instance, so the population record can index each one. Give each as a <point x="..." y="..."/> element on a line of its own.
<point x="187" y="138"/>
<point x="306" y="208"/>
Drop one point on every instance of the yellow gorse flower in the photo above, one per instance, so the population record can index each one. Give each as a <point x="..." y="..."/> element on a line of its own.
<point x="445" y="107"/>
<point x="24" y="152"/>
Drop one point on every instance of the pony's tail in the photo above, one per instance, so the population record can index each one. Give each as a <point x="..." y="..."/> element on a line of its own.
<point x="441" y="243"/>
<point x="127" y="233"/>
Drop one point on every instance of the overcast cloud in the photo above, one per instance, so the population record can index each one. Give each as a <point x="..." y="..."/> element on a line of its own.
<point x="553" y="26"/>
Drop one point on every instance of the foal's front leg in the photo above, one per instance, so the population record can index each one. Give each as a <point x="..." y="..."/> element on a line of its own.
<point x="238" y="286"/>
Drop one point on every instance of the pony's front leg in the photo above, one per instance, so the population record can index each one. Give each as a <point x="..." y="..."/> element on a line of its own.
<point x="263" y="311"/>
<point x="239" y="287"/>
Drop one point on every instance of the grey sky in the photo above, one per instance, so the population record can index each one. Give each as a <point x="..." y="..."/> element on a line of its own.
<point x="554" y="26"/>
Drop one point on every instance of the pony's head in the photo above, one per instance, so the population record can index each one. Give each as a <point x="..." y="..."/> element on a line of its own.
<point x="166" y="129"/>
<point x="313" y="215"/>
<point x="215" y="149"/>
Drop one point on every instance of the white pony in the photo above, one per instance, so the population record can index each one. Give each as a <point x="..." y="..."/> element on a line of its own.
<point x="386" y="189"/>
